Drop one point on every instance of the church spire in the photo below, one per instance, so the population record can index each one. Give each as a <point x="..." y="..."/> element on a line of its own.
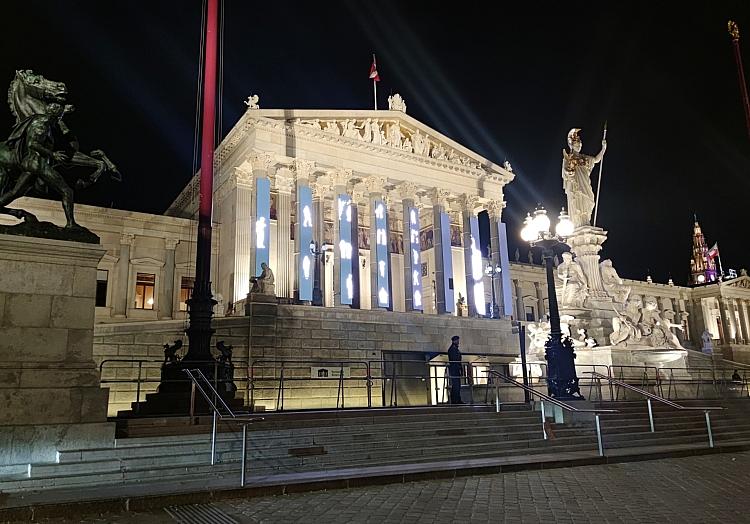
<point x="702" y="268"/>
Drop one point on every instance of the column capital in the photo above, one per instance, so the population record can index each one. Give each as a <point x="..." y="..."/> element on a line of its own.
<point x="303" y="168"/>
<point x="261" y="161"/>
<point x="320" y="188"/>
<point x="469" y="203"/>
<point x="340" y="177"/>
<point x="407" y="190"/>
<point x="439" y="197"/>
<point x="170" y="243"/>
<point x="242" y="176"/>
<point x="495" y="208"/>
<point x="127" y="239"/>
<point x="375" y="183"/>
<point x="284" y="181"/>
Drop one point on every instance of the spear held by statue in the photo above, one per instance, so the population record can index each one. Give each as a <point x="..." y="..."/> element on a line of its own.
<point x="599" y="182"/>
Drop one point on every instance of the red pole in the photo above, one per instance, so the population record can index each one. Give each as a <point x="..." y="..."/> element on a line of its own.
<point x="734" y="33"/>
<point x="201" y="303"/>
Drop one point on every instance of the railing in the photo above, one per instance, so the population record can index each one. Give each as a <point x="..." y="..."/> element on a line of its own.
<point x="546" y="398"/>
<point x="652" y="396"/>
<point x="148" y="371"/>
<point x="200" y="383"/>
<point x="273" y="383"/>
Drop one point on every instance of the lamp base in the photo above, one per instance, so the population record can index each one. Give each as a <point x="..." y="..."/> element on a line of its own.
<point x="562" y="381"/>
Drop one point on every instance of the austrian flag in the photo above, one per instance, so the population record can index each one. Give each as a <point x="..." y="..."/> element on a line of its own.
<point x="374" y="71"/>
<point x="714" y="251"/>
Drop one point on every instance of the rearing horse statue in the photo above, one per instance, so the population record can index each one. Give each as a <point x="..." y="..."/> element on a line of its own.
<point x="41" y="145"/>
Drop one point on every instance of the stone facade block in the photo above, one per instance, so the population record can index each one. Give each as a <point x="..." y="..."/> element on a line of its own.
<point x="38" y="278"/>
<point x="33" y="344"/>
<point x="72" y="312"/>
<point x="27" y="310"/>
<point x="82" y="279"/>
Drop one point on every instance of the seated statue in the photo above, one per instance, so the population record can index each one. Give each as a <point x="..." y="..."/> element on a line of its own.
<point x="264" y="283"/>
<point x="612" y="282"/>
<point x="575" y="287"/>
<point x="625" y="324"/>
<point x="656" y="328"/>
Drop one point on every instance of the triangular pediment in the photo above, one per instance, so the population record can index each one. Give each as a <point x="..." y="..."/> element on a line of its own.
<point x="146" y="261"/>
<point x="742" y="282"/>
<point x="388" y="131"/>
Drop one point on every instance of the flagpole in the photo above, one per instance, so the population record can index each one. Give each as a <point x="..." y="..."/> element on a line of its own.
<point x="599" y="183"/>
<point x="375" y="82"/>
<point x="718" y="255"/>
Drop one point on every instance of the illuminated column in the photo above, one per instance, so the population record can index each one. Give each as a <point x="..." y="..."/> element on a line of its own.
<point x="284" y="186"/>
<point x="733" y="321"/>
<point x="319" y="191"/>
<point x="343" y="282"/>
<point x="122" y="270"/>
<point x="725" y="333"/>
<point x="166" y="291"/>
<point x="380" y="260"/>
<point x="520" y="310"/>
<point x="473" y="265"/>
<point x="358" y="198"/>
<point x="445" y="302"/>
<point x="304" y="271"/>
<point x="412" y="250"/>
<point x="260" y="211"/>
<point x="499" y="256"/>
<point x="743" y="320"/>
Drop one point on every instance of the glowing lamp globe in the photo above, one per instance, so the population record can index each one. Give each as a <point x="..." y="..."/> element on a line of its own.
<point x="564" y="226"/>
<point x="529" y="232"/>
<point x="541" y="220"/>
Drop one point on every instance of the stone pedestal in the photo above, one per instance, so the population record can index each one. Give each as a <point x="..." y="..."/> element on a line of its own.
<point x="49" y="385"/>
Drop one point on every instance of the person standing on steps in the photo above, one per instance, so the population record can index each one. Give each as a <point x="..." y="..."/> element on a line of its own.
<point x="455" y="370"/>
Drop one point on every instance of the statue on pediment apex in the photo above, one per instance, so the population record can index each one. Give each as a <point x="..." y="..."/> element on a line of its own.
<point x="252" y="102"/>
<point x="396" y="103"/>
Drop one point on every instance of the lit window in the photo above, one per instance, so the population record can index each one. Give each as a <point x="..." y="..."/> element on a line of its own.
<point x="186" y="290"/>
<point x="144" y="291"/>
<point x="102" y="276"/>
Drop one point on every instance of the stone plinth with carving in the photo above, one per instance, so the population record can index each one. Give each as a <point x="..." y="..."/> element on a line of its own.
<point x="49" y="391"/>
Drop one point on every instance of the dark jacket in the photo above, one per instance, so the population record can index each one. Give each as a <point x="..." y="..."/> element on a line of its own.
<point x="455" y="368"/>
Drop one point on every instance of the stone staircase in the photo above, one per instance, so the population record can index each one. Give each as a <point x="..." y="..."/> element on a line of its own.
<point x="159" y="450"/>
<point x="300" y="442"/>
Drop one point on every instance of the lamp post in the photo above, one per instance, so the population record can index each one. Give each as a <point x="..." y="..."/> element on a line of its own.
<point x="318" y="254"/>
<point x="562" y="381"/>
<point x="493" y="271"/>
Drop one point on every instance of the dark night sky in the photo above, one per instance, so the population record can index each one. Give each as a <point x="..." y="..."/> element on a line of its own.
<point x="506" y="79"/>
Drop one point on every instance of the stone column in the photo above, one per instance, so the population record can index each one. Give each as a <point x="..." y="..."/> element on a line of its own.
<point x="319" y="191"/>
<point x="339" y="179"/>
<point x="725" y="333"/>
<point x="166" y="291"/>
<point x="733" y="321"/>
<point x="743" y="320"/>
<point x="302" y="171"/>
<point x="468" y="206"/>
<point x="439" y="199"/>
<point x="284" y="185"/>
<point x="407" y="191"/>
<point x="520" y="310"/>
<point x="376" y="186"/>
<point x="494" y="210"/>
<point x="261" y="163"/>
<point x="539" y="299"/>
<point x="122" y="272"/>
<point x="241" y="225"/>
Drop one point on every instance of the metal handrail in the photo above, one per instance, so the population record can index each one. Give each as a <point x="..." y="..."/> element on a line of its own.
<point x="195" y="375"/>
<point x="652" y="396"/>
<point x="554" y="401"/>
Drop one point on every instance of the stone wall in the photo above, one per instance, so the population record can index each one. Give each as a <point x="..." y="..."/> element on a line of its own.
<point x="298" y="339"/>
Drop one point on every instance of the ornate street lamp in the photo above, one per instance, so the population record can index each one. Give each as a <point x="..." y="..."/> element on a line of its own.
<point x="562" y="381"/>
<point x="318" y="256"/>
<point x="493" y="271"/>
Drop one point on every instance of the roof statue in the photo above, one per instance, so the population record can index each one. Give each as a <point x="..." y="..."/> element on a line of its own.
<point x="42" y="154"/>
<point x="252" y="102"/>
<point x="396" y="103"/>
